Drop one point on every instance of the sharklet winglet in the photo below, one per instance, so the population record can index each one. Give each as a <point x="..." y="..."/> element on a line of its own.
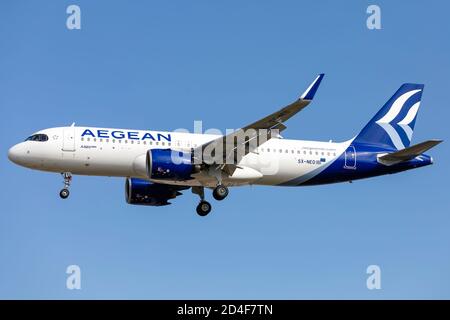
<point x="311" y="91"/>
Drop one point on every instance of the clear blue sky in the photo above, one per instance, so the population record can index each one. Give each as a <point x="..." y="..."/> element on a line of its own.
<point x="161" y="65"/>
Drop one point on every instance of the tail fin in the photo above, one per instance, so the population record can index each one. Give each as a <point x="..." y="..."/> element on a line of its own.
<point x="393" y="125"/>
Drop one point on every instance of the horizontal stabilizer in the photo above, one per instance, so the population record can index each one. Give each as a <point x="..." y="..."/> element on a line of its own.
<point x="407" y="153"/>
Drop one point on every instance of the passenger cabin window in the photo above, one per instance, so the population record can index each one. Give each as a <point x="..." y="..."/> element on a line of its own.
<point x="37" y="137"/>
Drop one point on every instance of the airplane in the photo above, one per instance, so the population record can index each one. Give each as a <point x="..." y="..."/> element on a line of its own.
<point x="158" y="165"/>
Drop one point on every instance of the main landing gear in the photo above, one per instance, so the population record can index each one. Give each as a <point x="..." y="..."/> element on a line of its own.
<point x="204" y="207"/>
<point x="64" y="193"/>
<point x="220" y="192"/>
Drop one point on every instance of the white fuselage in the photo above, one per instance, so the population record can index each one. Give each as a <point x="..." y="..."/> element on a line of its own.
<point x="119" y="153"/>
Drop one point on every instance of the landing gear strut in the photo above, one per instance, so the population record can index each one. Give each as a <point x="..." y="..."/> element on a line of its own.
<point x="204" y="207"/>
<point x="64" y="193"/>
<point x="220" y="192"/>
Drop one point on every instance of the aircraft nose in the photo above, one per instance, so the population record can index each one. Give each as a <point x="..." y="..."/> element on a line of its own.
<point x="15" y="153"/>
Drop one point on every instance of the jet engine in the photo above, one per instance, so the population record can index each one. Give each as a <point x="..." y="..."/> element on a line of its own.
<point x="168" y="164"/>
<point x="143" y="192"/>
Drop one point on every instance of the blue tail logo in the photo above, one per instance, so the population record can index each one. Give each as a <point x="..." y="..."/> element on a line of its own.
<point x="393" y="125"/>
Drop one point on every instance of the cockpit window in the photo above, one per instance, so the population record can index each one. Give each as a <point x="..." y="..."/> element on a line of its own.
<point x="37" y="137"/>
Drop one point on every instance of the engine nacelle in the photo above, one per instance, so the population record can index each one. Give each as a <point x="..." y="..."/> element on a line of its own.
<point x="143" y="192"/>
<point x="169" y="164"/>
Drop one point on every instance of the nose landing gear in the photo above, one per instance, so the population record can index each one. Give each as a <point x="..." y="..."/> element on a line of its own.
<point x="64" y="193"/>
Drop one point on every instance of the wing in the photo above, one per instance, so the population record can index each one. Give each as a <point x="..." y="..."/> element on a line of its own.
<point x="236" y="145"/>
<point x="276" y="119"/>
